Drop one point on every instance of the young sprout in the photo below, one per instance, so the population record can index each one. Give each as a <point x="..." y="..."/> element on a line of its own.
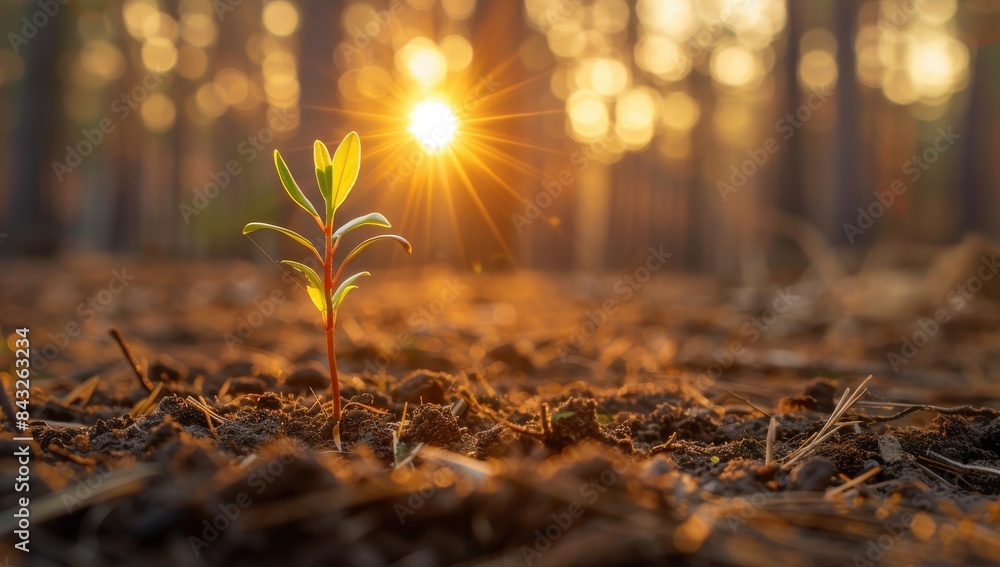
<point x="336" y="178"/>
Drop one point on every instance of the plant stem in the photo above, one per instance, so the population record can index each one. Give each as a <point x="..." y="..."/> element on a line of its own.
<point x="334" y="380"/>
<point x="331" y="318"/>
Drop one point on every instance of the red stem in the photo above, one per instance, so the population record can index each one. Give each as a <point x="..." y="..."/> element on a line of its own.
<point x="331" y="353"/>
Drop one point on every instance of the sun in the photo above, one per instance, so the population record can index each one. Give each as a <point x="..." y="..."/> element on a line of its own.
<point x="434" y="125"/>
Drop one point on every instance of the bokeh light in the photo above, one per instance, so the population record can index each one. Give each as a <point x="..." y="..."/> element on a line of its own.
<point x="734" y="65"/>
<point x="158" y="112"/>
<point x="457" y="52"/>
<point x="588" y="114"/>
<point x="680" y="112"/>
<point x="422" y="59"/>
<point x="281" y="18"/>
<point x="458" y="9"/>
<point x="159" y="54"/>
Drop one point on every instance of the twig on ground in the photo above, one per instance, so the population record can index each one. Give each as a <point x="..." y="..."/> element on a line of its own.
<point x="831" y="426"/>
<point x="146" y="404"/>
<point x="749" y="403"/>
<point x="83" y="392"/>
<point x="475" y="405"/>
<point x="209" y="414"/>
<point x="663" y="446"/>
<point x="962" y="466"/>
<point x="853" y="482"/>
<point x="772" y="435"/>
<point x="967" y="411"/>
<point x="935" y="475"/>
<point x="136" y="367"/>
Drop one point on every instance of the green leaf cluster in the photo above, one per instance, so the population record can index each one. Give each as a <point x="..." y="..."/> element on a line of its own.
<point x="335" y="177"/>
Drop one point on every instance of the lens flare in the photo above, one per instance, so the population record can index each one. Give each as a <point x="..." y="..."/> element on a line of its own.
<point x="433" y="124"/>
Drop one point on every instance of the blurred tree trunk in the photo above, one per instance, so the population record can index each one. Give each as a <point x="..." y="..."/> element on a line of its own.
<point x="702" y="216"/>
<point x="319" y="37"/>
<point x="180" y="90"/>
<point x="975" y="212"/>
<point x="847" y="167"/>
<point x="791" y="193"/>
<point x="32" y="213"/>
<point x="488" y="212"/>
<point x="125" y="196"/>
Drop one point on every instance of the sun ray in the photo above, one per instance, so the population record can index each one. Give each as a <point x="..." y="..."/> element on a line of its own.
<point x="453" y="213"/>
<point x="482" y="162"/>
<point x="503" y="157"/>
<point x="357" y="113"/>
<point x="501" y="117"/>
<point x="377" y="151"/>
<point x="488" y="171"/>
<point x="463" y="175"/>
<point x="501" y="93"/>
<point x="495" y="138"/>
<point x="513" y="163"/>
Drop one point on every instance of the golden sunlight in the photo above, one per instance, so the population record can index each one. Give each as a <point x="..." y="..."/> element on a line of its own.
<point x="433" y="124"/>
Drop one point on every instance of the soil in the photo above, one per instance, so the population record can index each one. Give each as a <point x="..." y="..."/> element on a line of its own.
<point x="498" y="419"/>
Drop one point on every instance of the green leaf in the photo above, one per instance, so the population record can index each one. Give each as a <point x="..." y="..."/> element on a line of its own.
<point x="357" y="249"/>
<point x="321" y="181"/>
<point x="254" y="226"/>
<point x="346" y="164"/>
<point x="306" y="271"/>
<point x="346" y="286"/>
<point x="290" y="186"/>
<point x="321" y="155"/>
<point x="401" y="452"/>
<point x="375" y="219"/>
<point x="315" y="286"/>
<point x="316" y="295"/>
<point x="324" y="176"/>
<point x="562" y="415"/>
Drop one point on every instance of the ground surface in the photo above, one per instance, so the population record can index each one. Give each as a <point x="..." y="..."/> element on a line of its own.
<point x="505" y="419"/>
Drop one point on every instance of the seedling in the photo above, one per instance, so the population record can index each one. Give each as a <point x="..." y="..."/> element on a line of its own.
<point x="335" y="177"/>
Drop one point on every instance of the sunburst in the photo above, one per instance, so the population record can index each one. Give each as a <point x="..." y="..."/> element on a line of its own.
<point x="446" y="151"/>
<point x="433" y="123"/>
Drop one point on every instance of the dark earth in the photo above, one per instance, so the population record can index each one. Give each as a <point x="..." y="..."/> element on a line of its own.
<point x="506" y="418"/>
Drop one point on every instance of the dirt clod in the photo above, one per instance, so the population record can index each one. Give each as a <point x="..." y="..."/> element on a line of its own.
<point x="305" y="377"/>
<point x="434" y="425"/>
<point x="813" y="476"/>
<point x="423" y="386"/>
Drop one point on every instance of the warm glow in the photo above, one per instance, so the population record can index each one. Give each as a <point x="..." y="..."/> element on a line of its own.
<point x="433" y="124"/>
<point x="158" y="112"/>
<point x="588" y="115"/>
<point x="818" y="69"/>
<point x="422" y="59"/>
<point x="936" y="63"/>
<point x="281" y="18"/>
<point x="675" y="19"/>
<point x="734" y="65"/>
<point x="457" y="52"/>
<point x="159" y="54"/>
<point x="102" y="59"/>
<point x="680" y="112"/>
